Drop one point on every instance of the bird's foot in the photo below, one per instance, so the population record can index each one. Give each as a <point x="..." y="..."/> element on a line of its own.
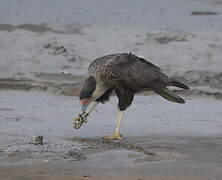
<point x="117" y="136"/>
<point x="78" y="121"/>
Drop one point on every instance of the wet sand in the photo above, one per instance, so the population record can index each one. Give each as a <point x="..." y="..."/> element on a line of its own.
<point x="161" y="140"/>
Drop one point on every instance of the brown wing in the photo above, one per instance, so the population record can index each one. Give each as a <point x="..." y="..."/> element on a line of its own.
<point x="137" y="73"/>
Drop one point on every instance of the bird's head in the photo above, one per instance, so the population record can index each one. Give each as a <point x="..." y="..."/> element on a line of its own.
<point x="86" y="93"/>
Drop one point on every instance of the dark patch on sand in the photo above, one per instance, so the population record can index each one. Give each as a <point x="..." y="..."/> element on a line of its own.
<point x="58" y="77"/>
<point x="165" y="38"/>
<point x="75" y="155"/>
<point x="111" y="144"/>
<point x="42" y="28"/>
<point x="38" y="28"/>
<point x="18" y="84"/>
<point x="204" y="13"/>
<point x="53" y="83"/>
<point x="14" y="118"/>
<point x="56" y="48"/>
<point x="6" y="109"/>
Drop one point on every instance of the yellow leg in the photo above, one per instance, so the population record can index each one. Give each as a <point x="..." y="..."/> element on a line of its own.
<point x="116" y="134"/>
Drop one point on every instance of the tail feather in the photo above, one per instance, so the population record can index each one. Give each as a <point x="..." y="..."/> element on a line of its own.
<point x="178" y="84"/>
<point x="169" y="95"/>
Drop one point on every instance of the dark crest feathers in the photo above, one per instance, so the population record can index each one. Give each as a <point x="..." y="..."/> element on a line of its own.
<point x="88" y="88"/>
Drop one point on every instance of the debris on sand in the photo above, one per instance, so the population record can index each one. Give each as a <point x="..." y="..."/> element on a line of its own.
<point x="55" y="48"/>
<point x="37" y="28"/>
<point x="79" y="156"/>
<point x="107" y="144"/>
<point x="166" y="38"/>
<point x="14" y="118"/>
<point x="37" y="140"/>
<point x="204" y="13"/>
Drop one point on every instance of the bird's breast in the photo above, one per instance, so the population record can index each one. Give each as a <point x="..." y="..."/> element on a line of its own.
<point x="100" y="88"/>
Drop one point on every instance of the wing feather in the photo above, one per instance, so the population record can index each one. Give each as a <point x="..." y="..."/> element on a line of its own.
<point x="128" y="70"/>
<point x="137" y="73"/>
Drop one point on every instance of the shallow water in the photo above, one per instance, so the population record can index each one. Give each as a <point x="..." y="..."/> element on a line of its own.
<point x="33" y="113"/>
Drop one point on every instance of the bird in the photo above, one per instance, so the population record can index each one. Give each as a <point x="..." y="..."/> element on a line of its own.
<point x="123" y="74"/>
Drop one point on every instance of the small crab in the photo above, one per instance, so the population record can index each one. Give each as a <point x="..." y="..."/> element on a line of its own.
<point x="38" y="139"/>
<point x="78" y="121"/>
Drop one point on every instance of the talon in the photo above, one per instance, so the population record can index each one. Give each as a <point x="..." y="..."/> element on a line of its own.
<point x="85" y="115"/>
<point x="78" y="121"/>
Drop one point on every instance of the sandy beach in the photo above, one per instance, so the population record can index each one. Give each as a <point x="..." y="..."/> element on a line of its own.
<point x="46" y="48"/>
<point x="157" y="143"/>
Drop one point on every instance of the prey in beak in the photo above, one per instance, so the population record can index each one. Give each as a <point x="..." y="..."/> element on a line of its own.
<point x="85" y="98"/>
<point x="78" y="121"/>
<point x="82" y="117"/>
<point x="89" y="94"/>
